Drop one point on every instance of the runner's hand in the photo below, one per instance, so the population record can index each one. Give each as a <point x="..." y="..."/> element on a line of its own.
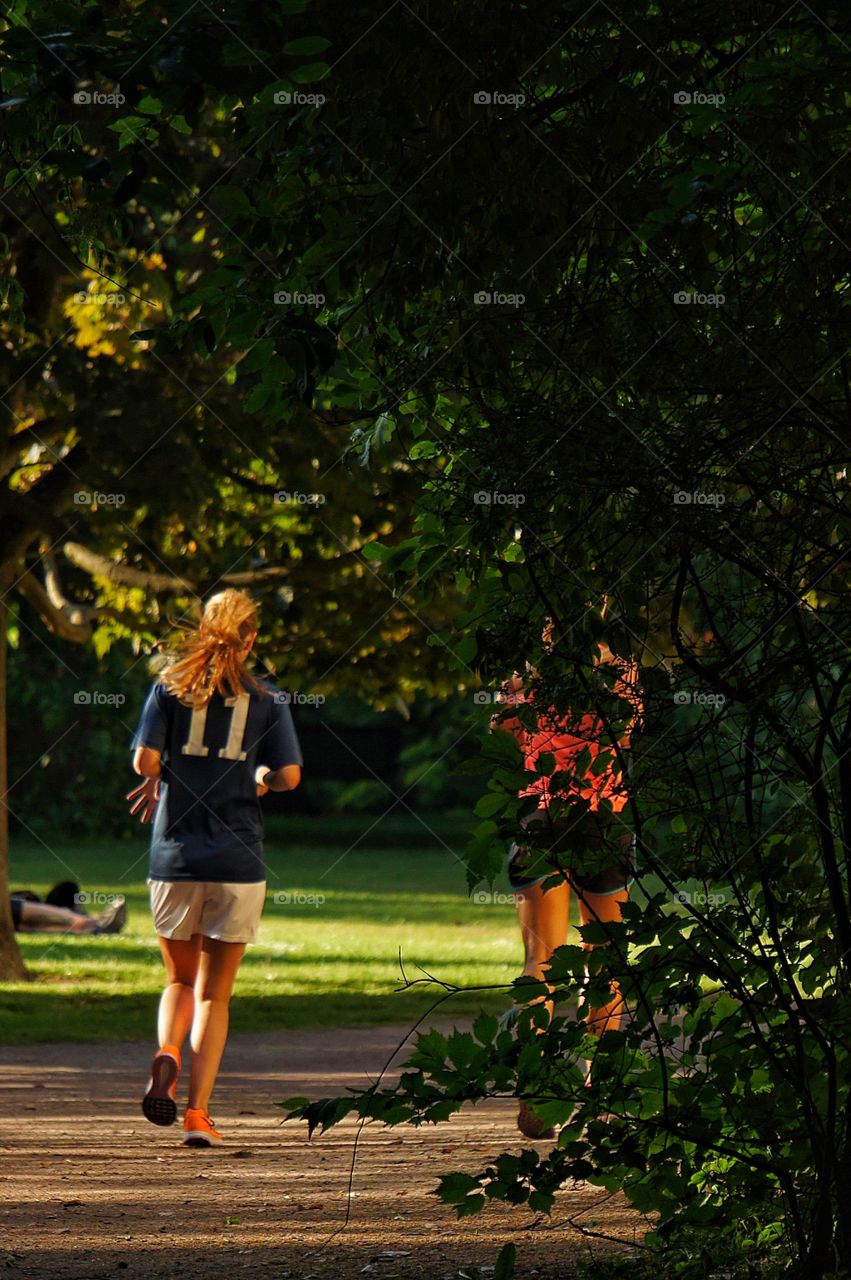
<point x="145" y="796"/>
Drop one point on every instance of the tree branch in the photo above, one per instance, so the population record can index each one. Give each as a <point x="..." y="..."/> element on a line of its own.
<point x="125" y="575"/>
<point x="67" y="618"/>
<point x="55" y="619"/>
<point x="76" y="614"/>
<point x="18" y="441"/>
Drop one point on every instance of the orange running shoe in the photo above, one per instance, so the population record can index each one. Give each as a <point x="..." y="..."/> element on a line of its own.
<point x="160" y="1102"/>
<point x="198" y="1130"/>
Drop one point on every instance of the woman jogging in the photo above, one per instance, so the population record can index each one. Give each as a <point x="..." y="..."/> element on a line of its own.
<point x="211" y="739"/>
<point x="544" y="914"/>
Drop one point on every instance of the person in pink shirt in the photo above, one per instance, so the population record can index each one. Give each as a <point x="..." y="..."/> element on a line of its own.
<point x="544" y="914"/>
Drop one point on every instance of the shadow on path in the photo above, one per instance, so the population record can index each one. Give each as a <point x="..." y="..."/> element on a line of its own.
<point x="90" y="1190"/>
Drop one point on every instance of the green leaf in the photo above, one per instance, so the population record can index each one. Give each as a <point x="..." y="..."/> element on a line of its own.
<point x="429" y="560"/>
<point x="307" y="45"/>
<point x="491" y="804"/>
<point x="326" y="1112"/>
<point x="235" y="199"/>
<point x="541" y="1201"/>
<point x="431" y="1050"/>
<point x="375" y="551"/>
<point x="462" y="1050"/>
<point x="181" y="124"/>
<point x="485" y="1028"/>
<point x="425" y="449"/>
<point x="258" y="397"/>
<point x="504" y="1269"/>
<point x="466" y="648"/>
<point x="453" y="1188"/>
<point x="133" y="129"/>
<point x="309" y="74"/>
<point x="382" y="432"/>
<point x="257" y="357"/>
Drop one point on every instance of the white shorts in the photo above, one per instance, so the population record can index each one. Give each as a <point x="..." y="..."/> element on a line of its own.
<point x="227" y="912"/>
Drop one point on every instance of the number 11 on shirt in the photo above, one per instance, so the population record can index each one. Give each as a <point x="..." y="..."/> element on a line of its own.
<point x="232" y="750"/>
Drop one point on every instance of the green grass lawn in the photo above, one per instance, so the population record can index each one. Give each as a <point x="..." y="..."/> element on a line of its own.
<point x="329" y="957"/>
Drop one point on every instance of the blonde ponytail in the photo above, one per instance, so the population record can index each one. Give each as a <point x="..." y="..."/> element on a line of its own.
<point x="210" y="658"/>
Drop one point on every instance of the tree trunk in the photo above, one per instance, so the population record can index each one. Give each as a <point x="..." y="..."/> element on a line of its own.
<point x="11" y="965"/>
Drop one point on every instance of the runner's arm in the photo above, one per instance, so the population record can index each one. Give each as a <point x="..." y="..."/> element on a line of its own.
<point x="145" y="797"/>
<point x="626" y="687"/>
<point x="286" y="778"/>
<point x="510" y="694"/>
<point x="147" y="762"/>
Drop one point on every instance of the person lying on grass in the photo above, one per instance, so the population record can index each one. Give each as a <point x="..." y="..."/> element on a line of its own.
<point x="61" y="912"/>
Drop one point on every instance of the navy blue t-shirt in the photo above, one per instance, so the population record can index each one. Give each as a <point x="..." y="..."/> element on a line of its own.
<point x="208" y="824"/>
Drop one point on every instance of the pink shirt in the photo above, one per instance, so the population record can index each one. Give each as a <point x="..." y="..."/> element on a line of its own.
<point x="565" y="737"/>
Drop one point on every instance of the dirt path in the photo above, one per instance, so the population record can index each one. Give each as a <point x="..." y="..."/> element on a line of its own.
<point x="89" y="1190"/>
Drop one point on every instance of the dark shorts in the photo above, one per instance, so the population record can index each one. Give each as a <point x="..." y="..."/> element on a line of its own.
<point x="597" y="843"/>
<point x="15" y="904"/>
<point x="61" y="895"/>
